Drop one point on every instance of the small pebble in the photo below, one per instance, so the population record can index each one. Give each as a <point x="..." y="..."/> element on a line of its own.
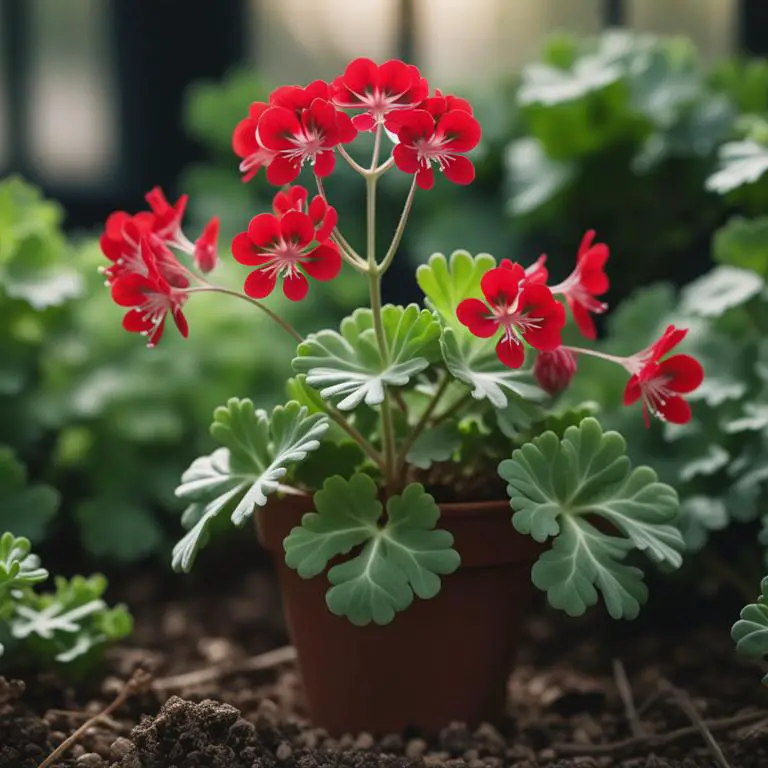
<point x="547" y="754"/>
<point x="308" y="739"/>
<point x="284" y="751"/>
<point x="471" y="754"/>
<point x="347" y="741"/>
<point x="268" y="711"/>
<point x="89" y="760"/>
<point x="364" y="741"/>
<point x="120" y="748"/>
<point x="436" y="758"/>
<point x="476" y="762"/>
<point x="415" y="748"/>
<point x="392" y="742"/>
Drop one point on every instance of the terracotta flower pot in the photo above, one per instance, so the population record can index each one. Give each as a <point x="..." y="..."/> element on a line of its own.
<point x="440" y="660"/>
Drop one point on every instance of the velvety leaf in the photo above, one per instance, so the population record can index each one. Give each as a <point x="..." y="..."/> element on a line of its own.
<point x="401" y="558"/>
<point x="348" y="366"/>
<point x="750" y="633"/>
<point x="534" y="177"/>
<point x="741" y="162"/>
<point x="259" y="449"/>
<point x="557" y="485"/>
<point x="434" y="444"/>
<point x="715" y="459"/>
<point x="698" y="516"/>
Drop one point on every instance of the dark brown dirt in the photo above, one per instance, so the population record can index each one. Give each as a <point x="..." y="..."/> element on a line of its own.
<point x="565" y="706"/>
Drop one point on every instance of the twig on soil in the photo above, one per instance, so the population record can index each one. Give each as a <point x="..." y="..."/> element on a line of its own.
<point x="100" y="719"/>
<point x="138" y="682"/>
<point x="686" y="704"/>
<point x="627" y="698"/>
<point x="263" y="661"/>
<point x="648" y="703"/>
<point x="654" y="741"/>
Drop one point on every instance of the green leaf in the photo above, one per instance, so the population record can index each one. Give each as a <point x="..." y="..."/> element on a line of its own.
<point x="743" y="243"/>
<point x="715" y="459"/>
<point x="534" y="177"/>
<point x="719" y="290"/>
<point x="258" y="450"/>
<point x="338" y="458"/>
<point x="18" y="567"/>
<point x="434" y="445"/>
<point x="26" y="510"/>
<point x="348" y="365"/>
<point x="750" y="633"/>
<point x="547" y="85"/>
<point x="741" y="162"/>
<point x="698" y="516"/>
<point x="558" y="486"/>
<point x="403" y="557"/>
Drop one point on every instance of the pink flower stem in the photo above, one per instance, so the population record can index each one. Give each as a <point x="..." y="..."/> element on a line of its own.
<point x="392" y="250"/>
<point x="622" y="361"/>
<point x="351" y="162"/>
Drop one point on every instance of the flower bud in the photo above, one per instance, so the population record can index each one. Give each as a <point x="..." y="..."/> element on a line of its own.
<point x="205" y="247"/>
<point x="554" y="370"/>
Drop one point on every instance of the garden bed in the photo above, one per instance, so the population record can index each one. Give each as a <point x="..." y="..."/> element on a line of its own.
<point x="221" y="696"/>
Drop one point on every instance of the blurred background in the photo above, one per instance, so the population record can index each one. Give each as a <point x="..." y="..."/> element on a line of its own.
<point x="605" y="114"/>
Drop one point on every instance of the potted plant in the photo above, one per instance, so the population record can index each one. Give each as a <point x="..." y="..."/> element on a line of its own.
<point x="422" y="470"/>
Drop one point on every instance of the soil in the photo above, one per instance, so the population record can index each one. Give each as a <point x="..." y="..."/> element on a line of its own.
<point x="567" y="695"/>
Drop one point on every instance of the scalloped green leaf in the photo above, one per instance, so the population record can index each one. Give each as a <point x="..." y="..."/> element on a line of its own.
<point x="435" y="444"/>
<point x="741" y="163"/>
<point x="558" y="487"/>
<point x="258" y="450"/>
<point x="400" y="559"/>
<point x="348" y="367"/>
<point x="750" y="632"/>
<point x="19" y="568"/>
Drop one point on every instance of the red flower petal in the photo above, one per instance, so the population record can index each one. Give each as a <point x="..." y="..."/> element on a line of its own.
<point x="364" y="122"/>
<point x="325" y="162"/>
<point x="510" y="352"/>
<point x="245" y="252"/>
<point x="264" y="230"/>
<point x="282" y="171"/>
<point x="276" y="127"/>
<point x="460" y="170"/>
<point x="297" y="227"/>
<point x="684" y="373"/>
<point x="260" y="283"/>
<point x="675" y="410"/>
<point x="395" y="77"/>
<point x="461" y="128"/>
<point x="244" y="142"/>
<point x="501" y="285"/>
<point x="323" y="263"/>
<point x="135" y="321"/>
<point x="585" y="245"/>
<point x="477" y="317"/>
<point x="346" y="130"/>
<point x="406" y="158"/>
<point x="632" y="391"/>
<point x="671" y="337"/>
<point x="181" y="321"/>
<point x="325" y="230"/>
<point x="131" y="290"/>
<point x="317" y="209"/>
<point x="413" y="124"/>
<point x="295" y="287"/>
<point x="582" y="318"/>
<point x="425" y="178"/>
<point x="360" y="75"/>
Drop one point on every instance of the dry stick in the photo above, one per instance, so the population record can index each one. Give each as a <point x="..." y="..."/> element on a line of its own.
<point x="686" y="704"/>
<point x="657" y="740"/>
<point x="268" y="660"/>
<point x="101" y="719"/>
<point x="627" y="698"/>
<point x="138" y="682"/>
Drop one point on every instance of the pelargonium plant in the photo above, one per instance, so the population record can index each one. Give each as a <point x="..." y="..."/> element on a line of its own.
<point x="405" y="407"/>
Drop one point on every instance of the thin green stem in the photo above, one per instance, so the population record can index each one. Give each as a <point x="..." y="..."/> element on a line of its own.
<point x="376" y="149"/>
<point x="368" y="449"/>
<point x="286" y="326"/>
<point x="398" y="236"/>
<point x="348" y="253"/>
<point x="351" y="161"/>
<point x="374" y="283"/>
<point x="422" y="422"/>
<point x="385" y="166"/>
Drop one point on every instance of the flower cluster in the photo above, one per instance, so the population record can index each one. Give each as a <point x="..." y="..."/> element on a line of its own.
<point x="311" y="126"/>
<point x="145" y="275"/>
<point x="304" y="126"/>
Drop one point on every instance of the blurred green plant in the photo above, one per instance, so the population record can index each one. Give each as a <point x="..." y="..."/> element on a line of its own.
<point x="69" y="626"/>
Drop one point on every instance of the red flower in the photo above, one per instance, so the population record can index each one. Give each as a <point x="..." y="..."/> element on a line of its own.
<point x="167" y="221"/>
<point x="301" y="126"/>
<point x="285" y="246"/>
<point x="120" y="243"/>
<point x="516" y="307"/>
<point x="660" y="383"/>
<point x="246" y="144"/>
<point x="151" y="297"/>
<point x="324" y="217"/>
<point x="587" y="281"/>
<point x="379" y="90"/>
<point x="554" y="370"/>
<point x="439" y="104"/>
<point x="205" y="246"/>
<point x="424" y="140"/>
<point x="537" y="272"/>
